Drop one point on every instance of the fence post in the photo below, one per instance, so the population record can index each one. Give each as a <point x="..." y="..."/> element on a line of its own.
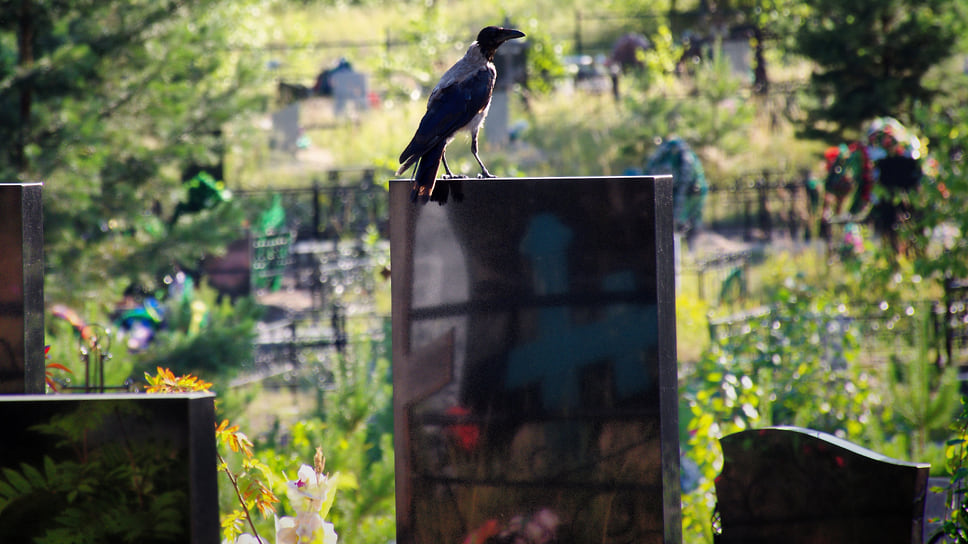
<point x="747" y="210"/>
<point x="338" y="321"/>
<point x="766" y="220"/>
<point x="316" y="217"/>
<point x="700" y="272"/>
<point x="578" y="47"/>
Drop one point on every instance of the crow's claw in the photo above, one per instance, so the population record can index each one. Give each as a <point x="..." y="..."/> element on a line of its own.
<point x="453" y="176"/>
<point x="484" y="175"/>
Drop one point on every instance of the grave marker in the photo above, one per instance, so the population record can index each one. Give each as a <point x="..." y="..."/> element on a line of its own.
<point x="349" y="87"/>
<point x="789" y="485"/>
<point x="148" y="459"/>
<point x="534" y="361"/>
<point x="21" y="289"/>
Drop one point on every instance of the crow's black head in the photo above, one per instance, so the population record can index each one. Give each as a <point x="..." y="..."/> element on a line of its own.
<point x="491" y="37"/>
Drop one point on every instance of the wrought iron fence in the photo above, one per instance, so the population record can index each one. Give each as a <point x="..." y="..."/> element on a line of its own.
<point x="764" y="205"/>
<point x="345" y="204"/>
<point x="885" y="332"/>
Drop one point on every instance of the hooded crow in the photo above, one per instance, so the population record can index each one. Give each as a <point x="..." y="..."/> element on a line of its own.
<point x="459" y="101"/>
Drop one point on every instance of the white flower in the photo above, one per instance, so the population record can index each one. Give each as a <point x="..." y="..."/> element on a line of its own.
<point x="245" y="538"/>
<point x="305" y="528"/>
<point x="329" y="533"/>
<point x="309" y="492"/>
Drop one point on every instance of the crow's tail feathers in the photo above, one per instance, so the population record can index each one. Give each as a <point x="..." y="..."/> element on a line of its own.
<point x="447" y="187"/>
<point x="425" y="177"/>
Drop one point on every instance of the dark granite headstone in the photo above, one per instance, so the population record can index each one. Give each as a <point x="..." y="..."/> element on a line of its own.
<point x="147" y="460"/>
<point x="788" y="485"/>
<point x="534" y="362"/>
<point x="21" y="289"/>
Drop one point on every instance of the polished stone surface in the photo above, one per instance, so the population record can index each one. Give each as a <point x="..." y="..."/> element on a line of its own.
<point x="534" y="361"/>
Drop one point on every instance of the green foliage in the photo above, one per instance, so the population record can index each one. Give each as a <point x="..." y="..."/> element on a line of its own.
<point x="251" y="482"/>
<point x="922" y="399"/>
<point x="86" y="491"/>
<point x="794" y="365"/>
<point x="955" y="526"/>
<point x="873" y="56"/>
<point x="660" y="60"/>
<point x="205" y="335"/>
<point x="355" y="431"/>
<point x="544" y="58"/>
<point x="108" y="103"/>
<point x="939" y="232"/>
<point x="713" y="112"/>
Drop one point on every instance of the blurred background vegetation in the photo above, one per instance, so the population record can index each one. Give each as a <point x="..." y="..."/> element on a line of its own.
<point x="117" y="106"/>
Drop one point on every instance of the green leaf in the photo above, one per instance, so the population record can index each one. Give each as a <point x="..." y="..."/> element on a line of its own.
<point x="50" y="468"/>
<point x="34" y="476"/>
<point x="7" y="491"/>
<point x="18" y="482"/>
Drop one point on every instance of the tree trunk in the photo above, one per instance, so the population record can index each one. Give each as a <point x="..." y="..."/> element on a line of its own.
<point x="25" y="58"/>
<point x="761" y="83"/>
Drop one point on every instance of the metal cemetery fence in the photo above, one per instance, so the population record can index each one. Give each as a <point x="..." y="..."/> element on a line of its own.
<point x="343" y="206"/>
<point x="762" y="205"/>
<point x="885" y="333"/>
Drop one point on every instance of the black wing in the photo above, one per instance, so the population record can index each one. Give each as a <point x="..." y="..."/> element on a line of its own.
<point x="449" y="110"/>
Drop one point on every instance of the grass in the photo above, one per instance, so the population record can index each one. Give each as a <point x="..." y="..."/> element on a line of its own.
<point x="568" y="133"/>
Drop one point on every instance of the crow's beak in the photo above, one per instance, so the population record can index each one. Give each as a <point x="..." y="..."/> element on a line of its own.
<point x="510" y="34"/>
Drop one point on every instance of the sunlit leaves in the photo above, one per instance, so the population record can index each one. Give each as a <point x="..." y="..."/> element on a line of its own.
<point x="166" y="382"/>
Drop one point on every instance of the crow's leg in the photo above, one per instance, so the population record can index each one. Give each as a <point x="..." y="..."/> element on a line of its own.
<point x="443" y="159"/>
<point x="449" y="174"/>
<point x="484" y="173"/>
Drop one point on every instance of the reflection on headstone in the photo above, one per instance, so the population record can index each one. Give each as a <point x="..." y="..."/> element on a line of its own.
<point x="21" y="288"/>
<point x="788" y="485"/>
<point x="109" y="468"/>
<point x="534" y="362"/>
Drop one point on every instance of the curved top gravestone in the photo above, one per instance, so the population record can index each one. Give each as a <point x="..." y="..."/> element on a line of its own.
<point x="794" y="485"/>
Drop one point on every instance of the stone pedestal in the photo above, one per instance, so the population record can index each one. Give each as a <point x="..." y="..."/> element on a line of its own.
<point x="147" y="464"/>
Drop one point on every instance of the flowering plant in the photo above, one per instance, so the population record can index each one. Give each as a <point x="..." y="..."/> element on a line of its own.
<point x="310" y="495"/>
<point x="48" y="377"/>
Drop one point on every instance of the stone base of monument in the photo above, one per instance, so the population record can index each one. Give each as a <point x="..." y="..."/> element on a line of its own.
<point x="129" y="464"/>
<point x="534" y="361"/>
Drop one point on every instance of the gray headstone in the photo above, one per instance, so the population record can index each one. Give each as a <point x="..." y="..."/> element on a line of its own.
<point x="496" y="126"/>
<point x="349" y="88"/>
<point x="285" y="127"/>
